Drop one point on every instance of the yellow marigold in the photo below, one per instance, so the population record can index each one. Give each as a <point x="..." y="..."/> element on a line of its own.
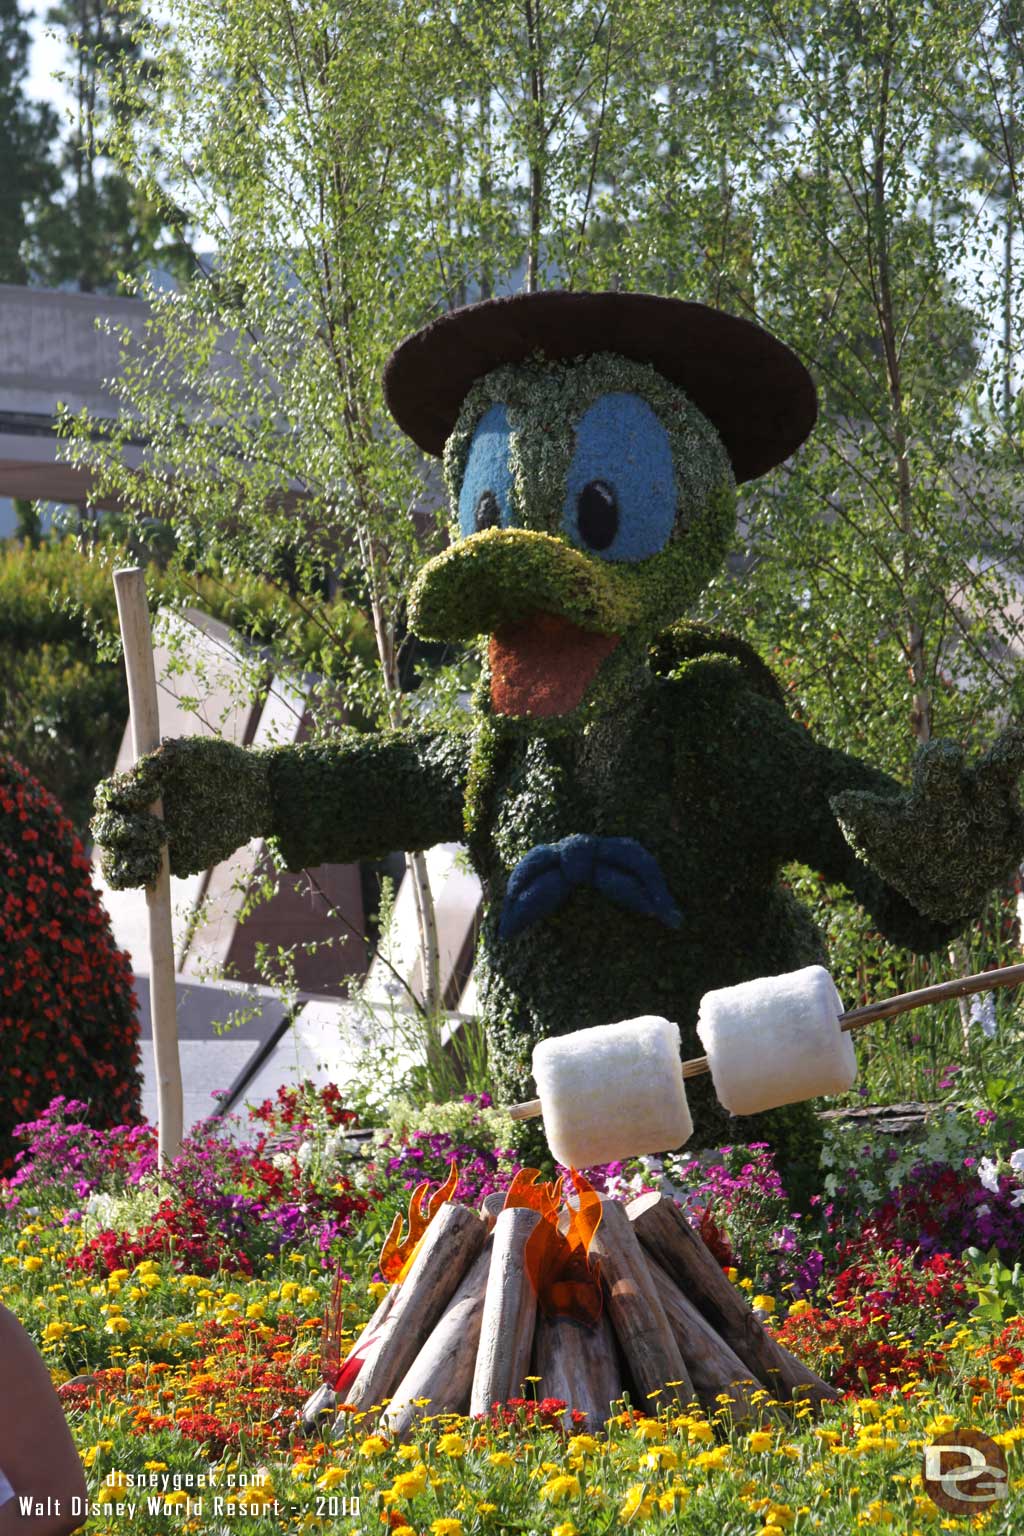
<point x="256" y="1495"/>
<point x="403" y="1530"/>
<point x="760" y="1440"/>
<point x="780" y="1515"/>
<point x="649" y="1429"/>
<point x="31" y="1262"/>
<point x="54" y="1332"/>
<point x="799" y="1308"/>
<point x="583" y="1445"/>
<point x="661" y="1456"/>
<point x="877" y="1513"/>
<point x="179" y="1496"/>
<point x="408" y="1484"/>
<point x="637" y="1504"/>
<point x="500" y="1459"/>
<point x="765" y="1304"/>
<point x="446" y="1527"/>
<point x="713" y="1459"/>
<point x="116" y="1325"/>
<point x="565" y="1529"/>
<point x="373" y="1445"/>
<point x="408" y="1453"/>
<point x="673" y="1497"/>
<point x="452" y="1445"/>
<point x="486" y="1509"/>
<point x="307" y="1296"/>
<point x="562" y="1487"/>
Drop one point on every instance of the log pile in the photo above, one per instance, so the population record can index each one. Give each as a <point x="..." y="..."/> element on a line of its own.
<point x="463" y="1329"/>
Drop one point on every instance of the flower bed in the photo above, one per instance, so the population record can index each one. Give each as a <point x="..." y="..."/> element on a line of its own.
<point x="183" y="1322"/>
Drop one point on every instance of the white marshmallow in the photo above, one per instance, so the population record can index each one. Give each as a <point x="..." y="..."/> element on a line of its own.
<point x="611" y="1092"/>
<point x="776" y="1040"/>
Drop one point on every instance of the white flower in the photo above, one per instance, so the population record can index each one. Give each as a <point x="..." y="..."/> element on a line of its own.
<point x="988" y="1173"/>
<point x="983" y="1210"/>
<point x="983" y="1012"/>
<point x="1017" y="1160"/>
<point x="1018" y="1198"/>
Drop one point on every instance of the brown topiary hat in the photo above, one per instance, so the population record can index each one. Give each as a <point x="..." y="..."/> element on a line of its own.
<point x="751" y="387"/>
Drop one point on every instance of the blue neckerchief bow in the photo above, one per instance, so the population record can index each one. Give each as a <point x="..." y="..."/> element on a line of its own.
<point x="619" y="867"/>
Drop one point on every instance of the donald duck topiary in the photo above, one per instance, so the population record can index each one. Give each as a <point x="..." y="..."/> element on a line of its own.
<point x="628" y="785"/>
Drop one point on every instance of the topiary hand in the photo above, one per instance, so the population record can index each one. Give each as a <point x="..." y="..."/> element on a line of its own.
<point x="957" y="832"/>
<point x="215" y="797"/>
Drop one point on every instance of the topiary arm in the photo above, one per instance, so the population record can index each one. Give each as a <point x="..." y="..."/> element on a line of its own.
<point x="360" y="796"/>
<point x="364" y="796"/>
<point x="920" y="860"/>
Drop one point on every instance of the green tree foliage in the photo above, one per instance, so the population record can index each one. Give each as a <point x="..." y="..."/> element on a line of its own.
<point x="101" y="226"/>
<point x="27" y="130"/>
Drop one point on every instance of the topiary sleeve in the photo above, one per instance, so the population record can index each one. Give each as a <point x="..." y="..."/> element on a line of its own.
<point x="364" y="796"/>
<point x="794" y="779"/>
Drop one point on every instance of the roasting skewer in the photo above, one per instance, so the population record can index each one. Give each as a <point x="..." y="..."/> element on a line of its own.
<point x="858" y="1018"/>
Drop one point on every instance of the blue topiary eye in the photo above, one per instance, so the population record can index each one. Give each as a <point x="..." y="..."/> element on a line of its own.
<point x="621" y="492"/>
<point x="485" y="500"/>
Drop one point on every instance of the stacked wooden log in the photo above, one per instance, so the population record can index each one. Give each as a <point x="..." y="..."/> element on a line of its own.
<point x="463" y="1330"/>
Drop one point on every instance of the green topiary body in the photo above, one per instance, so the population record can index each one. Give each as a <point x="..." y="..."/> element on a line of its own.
<point x="67" y="1014"/>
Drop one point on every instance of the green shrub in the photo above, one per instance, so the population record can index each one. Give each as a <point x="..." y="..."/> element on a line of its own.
<point x="67" y="1012"/>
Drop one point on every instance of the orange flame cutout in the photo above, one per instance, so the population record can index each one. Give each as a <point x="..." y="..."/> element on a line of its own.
<point x="398" y="1252"/>
<point x="566" y="1283"/>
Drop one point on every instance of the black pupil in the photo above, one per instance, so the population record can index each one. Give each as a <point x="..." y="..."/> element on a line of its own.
<point x="597" y="514"/>
<point x="488" y="513"/>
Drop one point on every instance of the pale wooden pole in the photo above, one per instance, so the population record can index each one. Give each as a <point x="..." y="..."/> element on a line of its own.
<point x="133" y="616"/>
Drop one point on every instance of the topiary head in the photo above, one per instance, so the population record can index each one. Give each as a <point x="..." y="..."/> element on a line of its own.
<point x="593" y="496"/>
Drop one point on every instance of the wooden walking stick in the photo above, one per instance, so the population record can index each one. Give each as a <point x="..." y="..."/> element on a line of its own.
<point x="133" y="616"/>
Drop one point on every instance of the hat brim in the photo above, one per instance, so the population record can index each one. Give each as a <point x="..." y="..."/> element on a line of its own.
<point x="749" y="385"/>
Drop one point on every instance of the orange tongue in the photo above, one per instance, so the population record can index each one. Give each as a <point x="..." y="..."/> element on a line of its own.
<point x="542" y="665"/>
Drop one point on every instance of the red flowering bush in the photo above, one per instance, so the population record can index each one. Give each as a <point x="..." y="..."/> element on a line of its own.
<point x="67" y="1014"/>
<point x="180" y="1229"/>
